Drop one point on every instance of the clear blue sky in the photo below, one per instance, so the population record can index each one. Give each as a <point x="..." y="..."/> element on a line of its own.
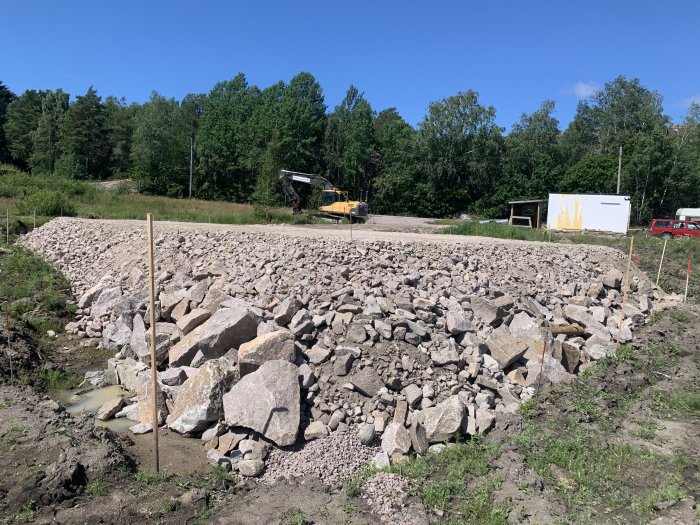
<point x="399" y="53"/>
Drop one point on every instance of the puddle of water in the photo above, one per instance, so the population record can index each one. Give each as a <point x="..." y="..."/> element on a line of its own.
<point x="91" y="401"/>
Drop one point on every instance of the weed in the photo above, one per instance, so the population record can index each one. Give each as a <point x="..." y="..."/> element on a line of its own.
<point x="529" y="409"/>
<point x="294" y="516"/>
<point x="164" y="508"/>
<point x="477" y="507"/>
<point x="58" y="380"/>
<point x="682" y="316"/>
<point x="96" y="487"/>
<point x="352" y="486"/>
<point x="26" y="514"/>
<point x="350" y="508"/>
<point x="668" y="490"/>
<point x="151" y="480"/>
<point x="655" y="317"/>
<point x="10" y="440"/>
<point x="203" y="515"/>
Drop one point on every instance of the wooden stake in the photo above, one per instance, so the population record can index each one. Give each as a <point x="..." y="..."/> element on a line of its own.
<point x="624" y="294"/>
<point x="154" y="372"/>
<point x="687" y="281"/>
<point x="7" y="224"/>
<point x="34" y="215"/>
<point x="9" y="350"/>
<point x="661" y="262"/>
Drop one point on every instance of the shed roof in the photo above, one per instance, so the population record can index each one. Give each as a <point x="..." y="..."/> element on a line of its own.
<point x="527" y="202"/>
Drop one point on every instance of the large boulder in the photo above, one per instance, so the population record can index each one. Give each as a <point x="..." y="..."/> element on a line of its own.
<point x="505" y="348"/>
<point x="146" y="405"/>
<point x="444" y="421"/>
<point x="227" y="328"/>
<point x="199" y="399"/>
<point x="582" y="316"/>
<point x="278" y="345"/>
<point x="267" y="401"/>
<point x="105" y="302"/>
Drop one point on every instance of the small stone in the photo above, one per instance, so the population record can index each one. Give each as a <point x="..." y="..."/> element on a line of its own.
<point x="251" y="467"/>
<point x="316" y="430"/>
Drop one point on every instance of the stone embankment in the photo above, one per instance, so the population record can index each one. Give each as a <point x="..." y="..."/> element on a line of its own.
<point x="373" y="349"/>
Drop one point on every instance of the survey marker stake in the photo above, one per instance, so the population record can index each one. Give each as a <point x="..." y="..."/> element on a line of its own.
<point x="154" y="372"/>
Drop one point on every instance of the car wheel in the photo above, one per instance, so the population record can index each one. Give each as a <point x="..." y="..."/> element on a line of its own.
<point x="666" y="236"/>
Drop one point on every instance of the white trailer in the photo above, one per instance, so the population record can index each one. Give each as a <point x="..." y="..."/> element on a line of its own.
<point x="688" y="214"/>
<point x="583" y="212"/>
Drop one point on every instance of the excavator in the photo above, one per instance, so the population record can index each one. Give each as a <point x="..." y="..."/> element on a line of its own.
<point x="334" y="202"/>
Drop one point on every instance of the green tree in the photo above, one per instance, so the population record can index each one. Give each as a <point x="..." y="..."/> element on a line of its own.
<point x="532" y="155"/>
<point x="223" y="141"/>
<point x="592" y="174"/>
<point x="84" y="135"/>
<point x="119" y="128"/>
<point x="682" y="187"/>
<point x="349" y="144"/>
<point x="21" y="120"/>
<point x="6" y="96"/>
<point x="160" y="148"/>
<point x="461" y="148"/>
<point x="394" y="187"/>
<point x="46" y="137"/>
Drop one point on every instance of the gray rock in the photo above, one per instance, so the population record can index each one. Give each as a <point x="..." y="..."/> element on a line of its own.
<point x="226" y="329"/>
<point x="381" y="460"/>
<point x="277" y="345"/>
<point x="366" y="433"/>
<point x="110" y="408"/>
<point x="307" y="377"/>
<point x="317" y="354"/>
<point x="457" y="323"/>
<point x="216" y="458"/>
<point x="444" y="420"/>
<point x="90" y="295"/>
<point x="414" y="394"/>
<point x="445" y="356"/>
<point x="141" y="428"/>
<point x="251" y="467"/>
<point x="356" y="334"/>
<point x="487" y="311"/>
<point x="105" y="302"/>
<point x="505" y="348"/>
<point x="172" y="376"/>
<point x="419" y="438"/>
<point x="267" y="401"/>
<point x="316" y="430"/>
<point x="343" y="364"/>
<point x="199" y="399"/>
<point x="286" y="310"/>
<point x="192" y="320"/>
<point x="613" y="279"/>
<point x="396" y="439"/>
<point x="367" y="382"/>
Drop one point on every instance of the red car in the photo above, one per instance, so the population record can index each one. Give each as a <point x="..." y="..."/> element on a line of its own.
<point x="668" y="228"/>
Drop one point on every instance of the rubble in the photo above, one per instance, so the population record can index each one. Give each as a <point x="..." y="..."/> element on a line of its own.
<point x="407" y="345"/>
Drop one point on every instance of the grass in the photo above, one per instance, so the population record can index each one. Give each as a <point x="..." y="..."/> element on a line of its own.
<point x="443" y="478"/>
<point x="352" y="486"/>
<point x="26" y="514"/>
<point x="59" y="380"/>
<point x="151" y="481"/>
<point x="294" y="516"/>
<point x="96" y="487"/>
<point x="10" y="439"/>
<point x="34" y="291"/>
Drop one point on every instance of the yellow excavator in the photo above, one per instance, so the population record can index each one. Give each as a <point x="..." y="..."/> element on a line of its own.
<point x="334" y="202"/>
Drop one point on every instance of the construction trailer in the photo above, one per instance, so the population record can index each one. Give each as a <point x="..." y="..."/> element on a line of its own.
<point x="582" y="212"/>
<point x="688" y="214"/>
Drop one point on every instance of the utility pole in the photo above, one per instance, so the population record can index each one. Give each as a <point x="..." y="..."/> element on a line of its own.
<point x="619" y="169"/>
<point x="191" y="159"/>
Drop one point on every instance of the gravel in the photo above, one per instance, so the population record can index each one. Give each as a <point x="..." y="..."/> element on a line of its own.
<point x="331" y="459"/>
<point x="387" y="496"/>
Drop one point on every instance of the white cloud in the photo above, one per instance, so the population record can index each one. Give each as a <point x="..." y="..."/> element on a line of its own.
<point x="585" y="89"/>
<point x="686" y="102"/>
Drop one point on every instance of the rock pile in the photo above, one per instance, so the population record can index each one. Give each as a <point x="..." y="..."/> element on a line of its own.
<point x="270" y="340"/>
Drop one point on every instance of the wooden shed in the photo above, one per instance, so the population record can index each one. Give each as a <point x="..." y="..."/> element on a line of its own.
<point x="526" y="213"/>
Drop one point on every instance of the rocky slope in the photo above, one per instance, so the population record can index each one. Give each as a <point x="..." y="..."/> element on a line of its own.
<point x="378" y="347"/>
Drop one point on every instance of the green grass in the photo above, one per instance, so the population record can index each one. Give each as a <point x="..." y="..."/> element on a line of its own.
<point x="294" y="516"/>
<point x="10" y="439"/>
<point x="26" y="514"/>
<point x="96" y="487"/>
<point x="352" y="485"/>
<point x="151" y="481"/>
<point x="443" y="478"/>
<point x="59" y="380"/>
<point x="35" y="292"/>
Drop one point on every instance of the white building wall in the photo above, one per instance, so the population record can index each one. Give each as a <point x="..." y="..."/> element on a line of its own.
<point x="578" y="212"/>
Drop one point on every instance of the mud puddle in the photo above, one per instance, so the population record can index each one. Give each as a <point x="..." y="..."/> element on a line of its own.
<point x="80" y="402"/>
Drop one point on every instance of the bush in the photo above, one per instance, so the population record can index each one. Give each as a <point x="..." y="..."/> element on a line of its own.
<point x="49" y="203"/>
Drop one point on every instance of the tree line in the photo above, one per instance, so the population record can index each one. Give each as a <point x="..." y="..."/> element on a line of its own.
<point x="456" y="160"/>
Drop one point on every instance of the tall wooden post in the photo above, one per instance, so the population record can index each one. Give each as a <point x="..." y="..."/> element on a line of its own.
<point x="154" y="371"/>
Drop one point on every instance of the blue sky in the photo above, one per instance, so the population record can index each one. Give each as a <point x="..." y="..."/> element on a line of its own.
<point x="404" y="54"/>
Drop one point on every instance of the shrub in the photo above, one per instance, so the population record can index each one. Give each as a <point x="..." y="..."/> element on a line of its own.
<point x="49" y="203"/>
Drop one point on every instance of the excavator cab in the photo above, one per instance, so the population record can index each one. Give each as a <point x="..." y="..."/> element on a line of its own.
<point x="329" y="197"/>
